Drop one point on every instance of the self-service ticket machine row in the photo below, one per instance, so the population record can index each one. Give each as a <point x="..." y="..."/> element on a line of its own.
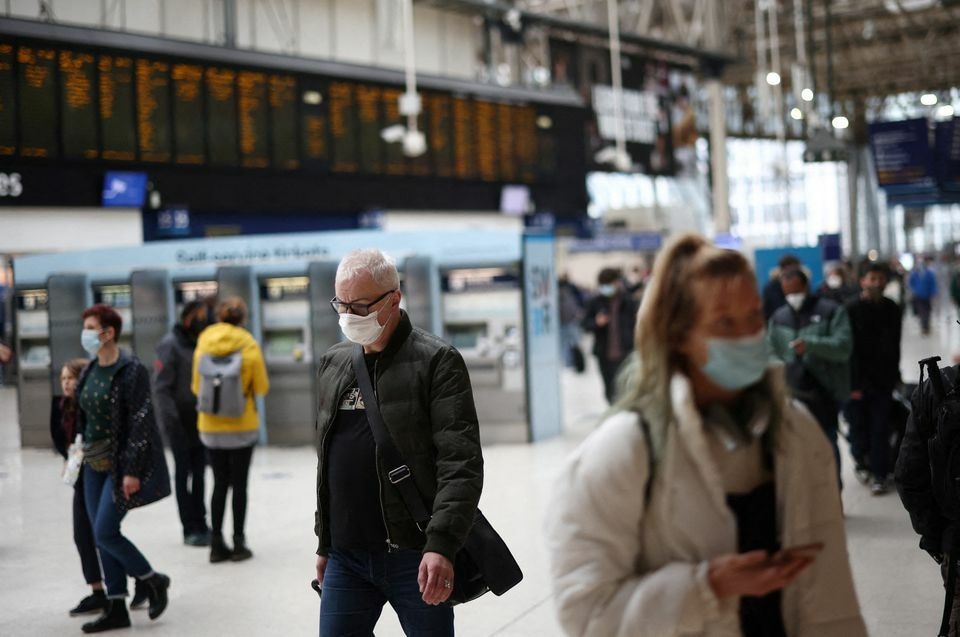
<point x="478" y="310"/>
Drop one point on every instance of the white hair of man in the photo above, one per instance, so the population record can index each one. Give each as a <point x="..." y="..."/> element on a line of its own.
<point x="371" y="262"/>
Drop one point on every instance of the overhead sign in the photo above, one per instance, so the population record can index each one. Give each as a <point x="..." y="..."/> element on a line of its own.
<point x="902" y="154"/>
<point x="124" y="189"/>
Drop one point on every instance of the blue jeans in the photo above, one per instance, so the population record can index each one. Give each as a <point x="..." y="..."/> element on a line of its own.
<point x="118" y="555"/>
<point x="358" y="583"/>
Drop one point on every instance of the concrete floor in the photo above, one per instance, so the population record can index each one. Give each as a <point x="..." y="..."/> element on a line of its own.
<point x="40" y="575"/>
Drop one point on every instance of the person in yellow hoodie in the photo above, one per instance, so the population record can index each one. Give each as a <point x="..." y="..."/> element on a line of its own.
<point x="229" y="440"/>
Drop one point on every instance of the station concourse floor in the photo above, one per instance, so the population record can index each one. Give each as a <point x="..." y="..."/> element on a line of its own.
<point x="898" y="585"/>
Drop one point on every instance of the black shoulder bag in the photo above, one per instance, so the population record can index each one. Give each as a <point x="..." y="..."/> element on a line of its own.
<point x="484" y="563"/>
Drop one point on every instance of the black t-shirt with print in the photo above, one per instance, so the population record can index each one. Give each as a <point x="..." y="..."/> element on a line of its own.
<point x="356" y="520"/>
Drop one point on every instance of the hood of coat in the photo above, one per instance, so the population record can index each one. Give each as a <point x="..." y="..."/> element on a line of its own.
<point x="221" y="339"/>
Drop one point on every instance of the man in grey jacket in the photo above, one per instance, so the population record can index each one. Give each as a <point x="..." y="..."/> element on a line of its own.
<point x="177" y="413"/>
<point x="370" y="551"/>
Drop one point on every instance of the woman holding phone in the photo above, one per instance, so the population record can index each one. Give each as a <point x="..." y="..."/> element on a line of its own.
<point x="707" y="502"/>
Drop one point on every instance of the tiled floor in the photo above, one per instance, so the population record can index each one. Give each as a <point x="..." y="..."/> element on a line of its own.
<point x="269" y="595"/>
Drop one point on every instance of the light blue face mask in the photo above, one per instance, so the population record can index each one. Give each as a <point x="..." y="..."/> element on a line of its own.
<point x="607" y="290"/>
<point x="737" y="363"/>
<point x="90" y="341"/>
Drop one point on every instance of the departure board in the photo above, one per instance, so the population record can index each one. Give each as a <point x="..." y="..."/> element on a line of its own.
<point x="343" y="127"/>
<point x="283" y="122"/>
<point x="315" y="125"/>
<point x="254" y="119"/>
<point x="464" y="142"/>
<point x="153" y="111"/>
<point x="79" y="112"/>
<point x="222" y="116"/>
<point x="525" y="142"/>
<point x="100" y="104"/>
<point x="368" y="116"/>
<point x="37" y="101"/>
<point x="506" y="134"/>
<point x="394" y="160"/>
<point x="117" y="127"/>
<point x="189" y="135"/>
<point x="8" y="114"/>
<point x="440" y="133"/>
<point x="486" y="136"/>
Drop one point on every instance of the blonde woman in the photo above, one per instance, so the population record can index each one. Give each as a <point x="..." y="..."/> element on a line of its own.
<point x="706" y="503"/>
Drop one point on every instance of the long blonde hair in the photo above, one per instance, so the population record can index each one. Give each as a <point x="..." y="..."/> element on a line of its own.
<point x="669" y="311"/>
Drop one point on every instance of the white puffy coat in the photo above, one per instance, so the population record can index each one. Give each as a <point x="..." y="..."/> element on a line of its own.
<point x="619" y="570"/>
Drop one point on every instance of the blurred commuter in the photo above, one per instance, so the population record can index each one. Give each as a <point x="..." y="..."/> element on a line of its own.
<point x="923" y="291"/>
<point x="571" y="313"/>
<point x="811" y="335"/>
<point x="228" y="373"/>
<point x="6" y="355"/>
<point x="706" y="503"/>
<point x="177" y="415"/>
<point x="124" y="465"/>
<point x="838" y="286"/>
<point x="63" y="430"/>
<point x="876" y="323"/>
<point x="371" y="551"/>
<point x="955" y="288"/>
<point x="773" y="298"/>
<point x="611" y="316"/>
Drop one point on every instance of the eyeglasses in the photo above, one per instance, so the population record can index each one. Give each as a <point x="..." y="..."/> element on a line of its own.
<point x="360" y="309"/>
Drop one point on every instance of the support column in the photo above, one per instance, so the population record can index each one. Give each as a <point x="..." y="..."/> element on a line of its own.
<point x="718" y="157"/>
<point x="853" y="170"/>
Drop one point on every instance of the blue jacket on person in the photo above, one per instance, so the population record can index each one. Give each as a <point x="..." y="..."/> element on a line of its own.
<point x="923" y="283"/>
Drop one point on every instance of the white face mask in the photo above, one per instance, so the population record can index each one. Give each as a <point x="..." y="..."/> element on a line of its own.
<point x="834" y="282"/>
<point x="796" y="300"/>
<point x="362" y="330"/>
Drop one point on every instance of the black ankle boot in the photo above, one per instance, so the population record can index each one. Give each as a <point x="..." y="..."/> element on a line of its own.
<point x="95" y="602"/>
<point x="114" y="616"/>
<point x="140" y="595"/>
<point x="219" y="552"/>
<point x="240" y="551"/>
<point x="157" y="585"/>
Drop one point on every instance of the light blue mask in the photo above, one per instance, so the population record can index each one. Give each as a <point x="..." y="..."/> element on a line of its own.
<point x="607" y="290"/>
<point x="737" y="363"/>
<point x="90" y="341"/>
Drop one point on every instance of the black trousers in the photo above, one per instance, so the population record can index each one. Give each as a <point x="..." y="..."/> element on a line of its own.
<point x="608" y="371"/>
<point x="826" y="411"/>
<point x="231" y="468"/>
<point x="83" y="536"/>
<point x="189" y="459"/>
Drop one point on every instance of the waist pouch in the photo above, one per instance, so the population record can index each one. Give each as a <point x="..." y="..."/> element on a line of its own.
<point x="98" y="455"/>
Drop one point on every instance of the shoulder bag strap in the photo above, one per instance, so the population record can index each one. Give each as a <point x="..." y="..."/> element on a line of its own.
<point x="399" y="473"/>
<point x="648" y="439"/>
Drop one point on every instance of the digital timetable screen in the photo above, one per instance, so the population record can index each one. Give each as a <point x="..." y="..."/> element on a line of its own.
<point x="74" y="103"/>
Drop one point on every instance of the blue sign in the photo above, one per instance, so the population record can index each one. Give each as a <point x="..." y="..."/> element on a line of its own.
<point x="624" y="242"/>
<point x="948" y="154"/>
<point x="903" y="158"/>
<point x="766" y="260"/>
<point x="173" y="222"/>
<point x="124" y="189"/>
<point x="542" y="345"/>
<point x="831" y="247"/>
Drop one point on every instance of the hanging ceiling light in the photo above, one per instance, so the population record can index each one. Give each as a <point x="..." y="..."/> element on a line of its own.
<point x="773" y="78"/>
<point x="928" y="99"/>
<point x="806" y="95"/>
<point x="840" y="122"/>
<point x="945" y="111"/>
<point x="796" y="113"/>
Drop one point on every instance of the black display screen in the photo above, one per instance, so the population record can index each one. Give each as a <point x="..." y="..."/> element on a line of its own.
<point x="440" y="133"/>
<point x="8" y="113"/>
<point x="315" y="124"/>
<point x="222" y="116"/>
<point x="77" y="95"/>
<point x="189" y="138"/>
<point x="153" y="111"/>
<point x="254" y="119"/>
<point x="485" y="129"/>
<point x="344" y="127"/>
<point x="117" y="127"/>
<point x="395" y="162"/>
<point x="464" y="143"/>
<point x="37" y="92"/>
<point x="368" y="117"/>
<point x="283" y="122"/>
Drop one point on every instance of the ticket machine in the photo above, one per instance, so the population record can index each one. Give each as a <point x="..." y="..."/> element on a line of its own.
<point x="482" y="317"/>
<point x="285" y="324"/>
<point x="33" y="354"/>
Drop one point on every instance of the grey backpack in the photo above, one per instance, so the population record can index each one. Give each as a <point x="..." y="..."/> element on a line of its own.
<point x="221" y="387"/>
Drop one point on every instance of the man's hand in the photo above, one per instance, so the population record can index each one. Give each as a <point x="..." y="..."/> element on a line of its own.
<point x="799" y="346"/>
<point x="435" y="578"/>
<point x="321" y="568"/>
<point x="130" y="486"/>
<point x="601" y="319"/>
<point x="856" y="395"/>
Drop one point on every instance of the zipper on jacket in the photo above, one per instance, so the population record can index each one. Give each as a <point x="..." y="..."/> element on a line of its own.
<point x="391" y="547"/>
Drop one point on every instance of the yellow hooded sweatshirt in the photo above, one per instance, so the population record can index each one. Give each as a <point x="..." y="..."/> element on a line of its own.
<point x="221" y="339"/>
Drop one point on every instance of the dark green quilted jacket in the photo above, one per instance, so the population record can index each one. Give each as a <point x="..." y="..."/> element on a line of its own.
<point x="427" y="404"/>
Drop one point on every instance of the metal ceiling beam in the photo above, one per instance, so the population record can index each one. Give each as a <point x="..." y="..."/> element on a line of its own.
<point x="496" y="9"/>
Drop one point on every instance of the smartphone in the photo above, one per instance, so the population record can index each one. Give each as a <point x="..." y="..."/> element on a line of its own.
<point x="809" y="551"/>
<point x="315" y="585"/>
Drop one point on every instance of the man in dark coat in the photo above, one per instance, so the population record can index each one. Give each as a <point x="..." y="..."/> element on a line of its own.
<point x="370" y="548"/>
<point x="177" y="413"/>
<point x="876" y="323"/>
<point x="773" y="297"/>
<point x="611" y="316"/>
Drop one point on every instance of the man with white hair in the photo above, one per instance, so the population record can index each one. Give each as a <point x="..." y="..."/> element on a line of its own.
<point x="371" y="550"/>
